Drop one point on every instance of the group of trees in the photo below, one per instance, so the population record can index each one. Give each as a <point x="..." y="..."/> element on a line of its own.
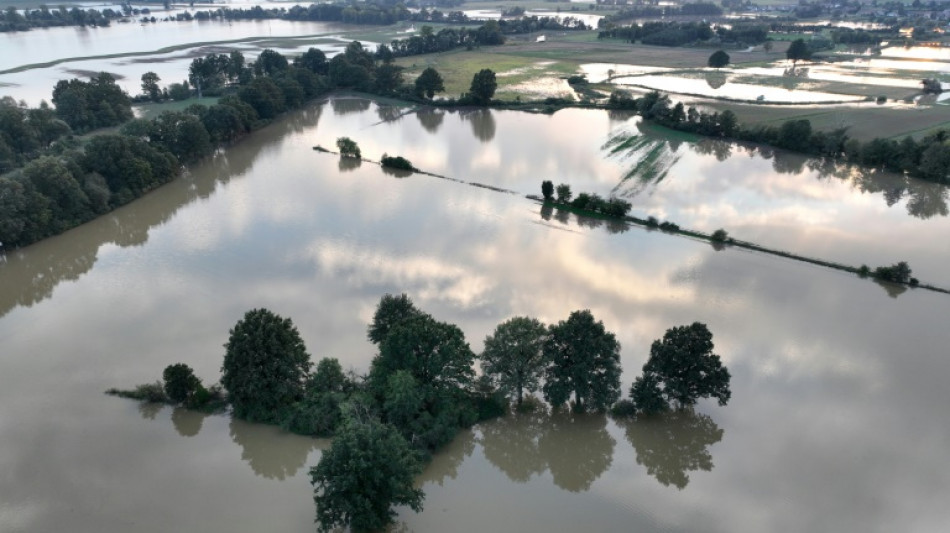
<point x="611" y="207"/>
<point x="422" y="388"/>
<point x="646" y="10"/>
<point x="44" y="17"/>
<point x="26" y="133"/>
<point x="927" y="158"/>
<point x="674" y="33"/>
<point x="93" y="104"/>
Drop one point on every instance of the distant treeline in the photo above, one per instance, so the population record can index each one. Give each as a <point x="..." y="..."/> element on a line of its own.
<point x="700" y="9"/>
<point x="681" y="33"/>
<point x="927" y="158"/>
<point x="44" y="17"/>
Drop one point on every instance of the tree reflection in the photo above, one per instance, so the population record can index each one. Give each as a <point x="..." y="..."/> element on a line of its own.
<point x="187" y="422"/>
<point x="388" y="113"/>
<point x="672" y="445"/>
<point x="445" y="463"/>
<point x="716" y="78"/>
<point x="576" y="448"/>
<point x="347" y="164"/>
<point x="270" y="452"/>
<point x="430" y="118"/>
<point x="396" y="172"/>
<point x="346" y="106"/>
<point x="892" y="289"/>
<point x="718" y="148"/>
<point x="149" y="410"/>
<point x="483" y="123"/>
<point x="511" y="443"/>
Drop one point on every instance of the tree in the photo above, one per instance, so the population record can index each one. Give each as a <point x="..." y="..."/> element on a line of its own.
<point x="931" y="86"/>
<point x="563" y="193"/>
<point x="368" y="469"/>
<point x="320" y="412"/>
<point x="265" y="366"/>
<point x="314" y="60"/>
<point x="150" y="86"/>
<point x="583" y="360"/>
<point x="483" y="86"/>
<point x="348" y="148"/>
<point x="718" y="59"/>
<point x="513" y="355"/>
<point x="682" y="368"/>
<point x="547" y="190"/>
<point x="391" y="311"/>
<point x="429" y="82"/>
<point x="897" y="273"/>
<point x="798" y="51"/>
<point x="180" y="382"/>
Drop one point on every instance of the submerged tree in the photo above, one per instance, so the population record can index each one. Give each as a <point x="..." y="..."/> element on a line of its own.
<point x="348" y="148"/>
<point x="682" y="368"/>
<point x="368" y="469"/>
<point x="718" y="59"/>
<point x="584" y="360"/>
<point x="265" y="366"/>
<point x="513" y="355"/>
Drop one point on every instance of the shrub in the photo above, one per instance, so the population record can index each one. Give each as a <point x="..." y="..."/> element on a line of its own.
<point x="396" y="162"/>
<point x="180" y="382"/>
<point x="720" y="235"/>
<point x="348" y="148"/>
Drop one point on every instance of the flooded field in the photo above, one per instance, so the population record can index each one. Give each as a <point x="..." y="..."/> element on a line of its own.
<point x="837" y="420"/>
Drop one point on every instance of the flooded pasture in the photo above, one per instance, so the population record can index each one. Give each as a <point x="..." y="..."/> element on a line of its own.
<point x="837" y="419"/>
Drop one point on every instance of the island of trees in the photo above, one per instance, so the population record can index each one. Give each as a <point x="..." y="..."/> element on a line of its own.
<point x="421" y="389"/>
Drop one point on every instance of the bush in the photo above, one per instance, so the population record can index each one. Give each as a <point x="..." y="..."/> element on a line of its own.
<point x="897" y="273"/>
<point x="348" y="148"/>
<point x="180" y="382"/>
<point x="720" y="235"/>
<point x="396" y="162"/>
<point x="624" y="408"/>
<point x="547" y="190"/>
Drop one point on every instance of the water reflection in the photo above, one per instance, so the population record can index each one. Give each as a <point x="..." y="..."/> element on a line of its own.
<point x="445" y="464"/>
<point x="270" y="452"/>
<point x="577" y="449"/>
<point x="388" y="113"/>
<point x="650" y="159"/>
<point x="482" y="121"/>
<point x="397" y="172"/>
<point x="673" y="445"/>
<point x="346" y="106"/>
<point x="346" y="164"/>
<point x="511" y="444"/>
<point x="430" y="118"/>
<point x="149" y="410"/>
<point x="716" y="78"/>
<point x="187" y="422"/>
<point x="31" y="275"/>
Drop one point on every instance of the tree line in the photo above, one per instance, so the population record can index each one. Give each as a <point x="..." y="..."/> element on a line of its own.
<point x="13" y="20"/>
<point x="421" y="389"/>
<point x="927" y="158"/>
<point x="674" y="33"/>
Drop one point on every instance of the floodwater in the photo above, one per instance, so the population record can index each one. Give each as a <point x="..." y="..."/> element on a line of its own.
<point x="837" y="420"/>
<point x="143" y="46"/>
<point x="736" y="91"/>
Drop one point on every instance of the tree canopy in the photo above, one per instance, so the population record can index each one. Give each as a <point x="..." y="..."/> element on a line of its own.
<point x="583" y="360"/>
<point x="513" y="356"/>
<point x="719" y="59"/>
<point x="682" y="368"/>
<point x="798" y="51"/>
<point x="483" y="86"/>
<point x="429" y="82"/>
<point x="265" y="366"/>
<point x="368" y="469"/>
<point x="390" y="311"/>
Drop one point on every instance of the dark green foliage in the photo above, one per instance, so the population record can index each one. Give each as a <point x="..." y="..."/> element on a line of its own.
<point x="683" y="369"/>
<point x="388" y="79"/>
<point x="897" y="273"/>
<point x="720" y="235"/>
<point x="86" y="106"/>
<point x="513" y="356"/>
<point x="931" y="86"/>
<point x="718" y="59"/>
<point x="264" y="96"/>
<point x="563" y="193"/>
<point x="269" y="63"/>
<point x="646" y="396"/>
<point x="348" y="148"/>
<point x="547" y="190"/>
<point x="313" y="60"/>
<point x="429" y="82"/>
<point x="368" y="469"/>
<point x="390" y="312"/>
<point x="397" y="162"/>
<point x="149" y="392"/>
<point x="150" y="86"/>
<point x="798" y="51"/>
<point x="265" y="366"/>
<point x="623" y="408"/>
<point x="584" y="360"/>
<point x="179" y="91"/>
<point x="180" y="382"/>
<point x="483" y="86"/>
